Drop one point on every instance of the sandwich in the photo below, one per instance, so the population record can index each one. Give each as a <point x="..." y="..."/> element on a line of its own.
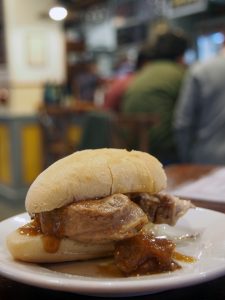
<point x="94" y="203"/>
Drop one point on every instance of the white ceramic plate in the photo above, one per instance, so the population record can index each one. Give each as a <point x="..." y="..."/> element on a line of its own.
<point x="208" y="249"/>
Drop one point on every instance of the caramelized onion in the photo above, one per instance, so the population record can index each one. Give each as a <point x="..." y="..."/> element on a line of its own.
<point x="182" y="257"/>
<point x="145" y="254"/>
<point x="31" y="229"/>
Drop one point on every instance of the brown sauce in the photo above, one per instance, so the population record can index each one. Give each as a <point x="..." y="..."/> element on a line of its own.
<point x="98" y="268"/>
<point x="50" y="243"/>
<point x="184" y="258"/>
<point x="102" y="268"/>
<point x="52" y="222"/>
<point x="30" y="229"/>
<point x="109" y="270"/>
<point x="145" y="254"/>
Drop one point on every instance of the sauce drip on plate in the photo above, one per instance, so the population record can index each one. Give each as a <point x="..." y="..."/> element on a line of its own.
<point x="184" y="258"/>
<point x="50" y="243"/>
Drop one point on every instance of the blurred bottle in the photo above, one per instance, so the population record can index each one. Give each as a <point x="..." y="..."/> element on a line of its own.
<point x="52" y="94"/>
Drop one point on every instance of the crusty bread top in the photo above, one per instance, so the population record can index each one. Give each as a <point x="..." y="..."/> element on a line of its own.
<point x="91" y="174"/>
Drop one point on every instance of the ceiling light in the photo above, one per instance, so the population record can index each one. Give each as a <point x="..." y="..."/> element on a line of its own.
<point x="58" y="13"/>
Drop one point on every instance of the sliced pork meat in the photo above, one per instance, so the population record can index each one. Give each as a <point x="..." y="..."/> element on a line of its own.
<point x="162" y="208"/>
<point x="112" y="218"/>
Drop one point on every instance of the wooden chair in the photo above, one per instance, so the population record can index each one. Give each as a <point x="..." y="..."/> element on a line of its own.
<point x="55" y="122"/>
<point x="129" y="127"/>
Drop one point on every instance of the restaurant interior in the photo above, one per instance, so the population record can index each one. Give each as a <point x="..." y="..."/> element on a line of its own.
<point x="119" y="225"/>
<point x="42" y="52"/>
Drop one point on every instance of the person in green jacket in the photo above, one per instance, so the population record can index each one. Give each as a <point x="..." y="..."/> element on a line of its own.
<point x="155" y="89"/>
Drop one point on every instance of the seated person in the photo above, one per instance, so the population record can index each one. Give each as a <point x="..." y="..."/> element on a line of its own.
<point x="155" y="90"/>
<point x="115" y="92"/>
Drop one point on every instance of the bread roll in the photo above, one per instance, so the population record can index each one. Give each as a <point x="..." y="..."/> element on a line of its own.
<point x="88" y="174"/>
<point x="31" y="249"/>
<point x="91" y="174"/>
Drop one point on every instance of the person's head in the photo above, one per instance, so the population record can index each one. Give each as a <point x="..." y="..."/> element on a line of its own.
<point x="170" y="45"/>
<point x="145" y="55"/>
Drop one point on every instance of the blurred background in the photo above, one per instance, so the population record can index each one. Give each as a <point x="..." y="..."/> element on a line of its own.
<point x="57" y="62"/>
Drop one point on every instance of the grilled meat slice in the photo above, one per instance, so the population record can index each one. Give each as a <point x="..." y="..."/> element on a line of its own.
<point x="112" y="218"/>
<point x="162" y="208"/>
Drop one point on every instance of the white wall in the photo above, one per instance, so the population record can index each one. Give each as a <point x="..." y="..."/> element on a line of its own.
<point x="35" y="51"/>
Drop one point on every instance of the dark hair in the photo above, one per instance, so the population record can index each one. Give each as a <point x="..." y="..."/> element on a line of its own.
<point x="170" y="45"/>
<point x="145" y="55"/>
